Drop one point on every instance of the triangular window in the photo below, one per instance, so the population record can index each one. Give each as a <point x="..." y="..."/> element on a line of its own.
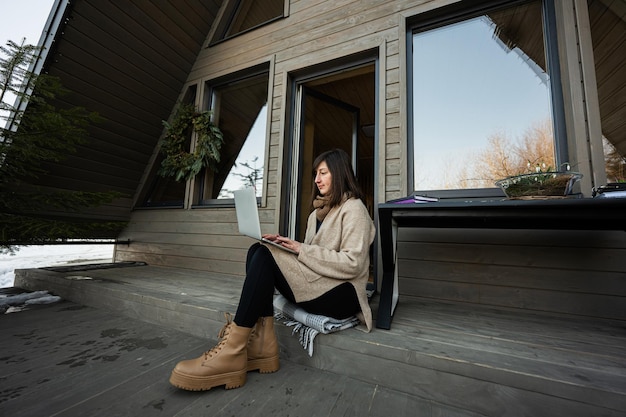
<point x="239" y="105"/>
<point x="240" y="16"/>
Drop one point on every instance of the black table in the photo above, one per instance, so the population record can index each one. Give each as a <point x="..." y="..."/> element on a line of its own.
<point x="556" y="214"/>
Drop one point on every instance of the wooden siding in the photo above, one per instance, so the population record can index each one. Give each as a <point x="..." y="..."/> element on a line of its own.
<point x="573" y="273"/>
<point x="199" y="239"/>
<point x="580" y="273"/>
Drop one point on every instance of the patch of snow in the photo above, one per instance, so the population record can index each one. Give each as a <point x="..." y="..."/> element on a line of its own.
<point x="17" y="299"/>
<point x="48" y="299"/>
<point x="17" y="302"/>
<point x="51" y="255"/>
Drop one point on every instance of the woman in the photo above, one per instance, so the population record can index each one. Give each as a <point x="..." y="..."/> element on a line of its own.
<point x="327" y="276"/>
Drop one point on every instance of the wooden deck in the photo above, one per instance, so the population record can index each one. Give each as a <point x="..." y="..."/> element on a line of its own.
<point x="437" y="359"/>
<point x="72" y="360"/>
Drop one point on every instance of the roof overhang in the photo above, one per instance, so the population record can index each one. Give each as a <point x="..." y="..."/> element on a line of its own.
<point x="128" y="61"/>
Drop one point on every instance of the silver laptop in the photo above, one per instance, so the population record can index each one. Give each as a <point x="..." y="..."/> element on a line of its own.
<point x="248" y="216"/>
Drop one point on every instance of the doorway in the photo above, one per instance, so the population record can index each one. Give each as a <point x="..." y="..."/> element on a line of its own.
<point x="336" y="109"/>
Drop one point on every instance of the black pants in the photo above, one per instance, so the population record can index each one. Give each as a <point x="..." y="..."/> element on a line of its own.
<point x="263" y="275"/>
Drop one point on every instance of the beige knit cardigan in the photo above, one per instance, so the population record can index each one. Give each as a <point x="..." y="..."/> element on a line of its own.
<point x="336" y="253"/>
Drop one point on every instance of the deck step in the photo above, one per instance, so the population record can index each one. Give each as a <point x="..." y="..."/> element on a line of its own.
<point x="485" y="361"/>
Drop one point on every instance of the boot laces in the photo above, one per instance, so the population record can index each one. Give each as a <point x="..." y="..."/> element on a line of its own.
<point x="222" y="335"/>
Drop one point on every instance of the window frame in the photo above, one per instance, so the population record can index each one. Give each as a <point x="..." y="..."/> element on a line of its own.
<point x="225" y="19"/>
<point x="207" y="103"/>
<point x="460" y="12"/>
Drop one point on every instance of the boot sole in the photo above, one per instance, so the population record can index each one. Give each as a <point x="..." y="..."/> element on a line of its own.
<point x="204" y="383"/>
<point x="264" y="365"/>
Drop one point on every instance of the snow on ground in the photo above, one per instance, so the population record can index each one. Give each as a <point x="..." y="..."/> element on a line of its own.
<point x="51" y="255"/>
<point x="18" y="302"/>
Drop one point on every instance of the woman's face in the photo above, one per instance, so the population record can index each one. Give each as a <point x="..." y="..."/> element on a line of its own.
<point x="323" y="178"/>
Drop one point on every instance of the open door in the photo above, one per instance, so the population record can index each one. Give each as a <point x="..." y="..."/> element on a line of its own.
<point x="326" y="123"/>
<point x="337" y="110"/>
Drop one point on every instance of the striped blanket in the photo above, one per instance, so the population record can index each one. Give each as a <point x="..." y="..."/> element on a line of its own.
<point x="308" y="325"/>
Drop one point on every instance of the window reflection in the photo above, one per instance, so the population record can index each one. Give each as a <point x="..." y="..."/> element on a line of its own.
<point x="241" y="16"/>
<point x="240" y="110"/>
<point x="247" y="171"/>
<point x="481" y="100"/>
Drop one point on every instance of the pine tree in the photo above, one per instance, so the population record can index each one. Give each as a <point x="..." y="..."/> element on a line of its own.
<point x="33" y="135"/>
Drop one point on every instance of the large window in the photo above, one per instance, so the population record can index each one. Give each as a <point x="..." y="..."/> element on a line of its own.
<point x="239" y="107"/>
<point x="481" y="97"/>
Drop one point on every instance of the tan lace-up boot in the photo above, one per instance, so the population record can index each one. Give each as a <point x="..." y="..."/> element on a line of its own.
<point x="225" y="364"/>
<point x="263" y="347"/>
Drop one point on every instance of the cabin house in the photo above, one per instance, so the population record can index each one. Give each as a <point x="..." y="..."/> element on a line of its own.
<point x="419" y="92"/>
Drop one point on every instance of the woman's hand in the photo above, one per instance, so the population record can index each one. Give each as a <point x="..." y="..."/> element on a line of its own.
<point x="294" y="245"/>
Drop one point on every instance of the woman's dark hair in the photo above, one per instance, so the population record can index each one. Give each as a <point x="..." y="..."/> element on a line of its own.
<point x="343" y="181"/>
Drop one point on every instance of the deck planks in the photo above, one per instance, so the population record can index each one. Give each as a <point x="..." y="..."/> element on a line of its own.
<point x="77" y="380"/>
<point x="473" y="359"/>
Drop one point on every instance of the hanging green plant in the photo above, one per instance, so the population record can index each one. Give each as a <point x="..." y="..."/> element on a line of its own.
<point x="179" y="163"/>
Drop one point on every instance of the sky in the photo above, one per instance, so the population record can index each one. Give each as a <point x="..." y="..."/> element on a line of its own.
<point x="23" y="19"/>
<point x="26" y="19"/>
